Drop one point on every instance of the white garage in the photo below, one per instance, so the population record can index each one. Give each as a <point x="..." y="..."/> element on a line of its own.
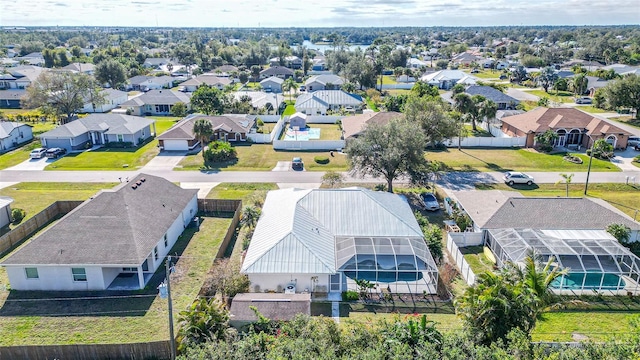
<point x="174" y="145"/>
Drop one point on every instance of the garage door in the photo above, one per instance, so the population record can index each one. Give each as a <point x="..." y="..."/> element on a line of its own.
<point x="59" y="143"/>
<point x="176" y="145"/>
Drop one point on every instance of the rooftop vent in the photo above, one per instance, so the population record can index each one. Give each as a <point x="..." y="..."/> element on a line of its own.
<point x="134" y="186"/>
<point x="138" y="182"/>
<point x="143" y="179"/>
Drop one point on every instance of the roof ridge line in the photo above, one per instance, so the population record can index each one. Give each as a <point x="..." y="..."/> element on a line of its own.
<point x="368" y="193"/>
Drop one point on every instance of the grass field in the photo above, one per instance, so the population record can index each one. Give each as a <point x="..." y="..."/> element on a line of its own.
<point x="114" y="320"/>
<point x="242" y="191"/>
<point x="513" y="159"/>
<point x="371" y="105"/>
<point x="289" y="110"/>
<point x="480" y="132"/>
<point x="387" y="79"/>
<point x="35" y="197"/>
<point x="18" y="155"/>
<point x="591" y="109"/>
<point x="559" y="96"/>
<point x="114" y="159"/>
<point x="597" y="326"/>
<point x="262" y="157"/>
<point x="622" y="196"/>
<point x="476" y="259"/>
<point x="486" y="74"/>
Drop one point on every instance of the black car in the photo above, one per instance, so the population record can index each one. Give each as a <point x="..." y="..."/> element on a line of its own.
<point x="637" y="147"/>
<point x="54" y="153"/>
<point x="297" y="164"/>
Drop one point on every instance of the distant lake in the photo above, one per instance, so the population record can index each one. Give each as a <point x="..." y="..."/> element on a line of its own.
<point x="323" y="47"/>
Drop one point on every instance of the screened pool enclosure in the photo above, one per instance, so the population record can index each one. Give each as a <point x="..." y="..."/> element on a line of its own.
<point x="401" y="265"/>
<point x="596" y="261"/>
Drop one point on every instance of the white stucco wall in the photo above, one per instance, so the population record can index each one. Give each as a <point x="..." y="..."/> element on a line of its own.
<point x="109" y="274"/>
<point x="271" y="281"/>
<point x="55" y="278"/>
<point x="5" y="215"/>
<point x="17" y="136"/>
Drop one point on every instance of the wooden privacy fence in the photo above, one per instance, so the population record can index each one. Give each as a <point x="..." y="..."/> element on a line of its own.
<point x="230" y="231"/>
<point x="16" y="236"/>
<point x="208" y="206"/>
<point x="135" y="351"/>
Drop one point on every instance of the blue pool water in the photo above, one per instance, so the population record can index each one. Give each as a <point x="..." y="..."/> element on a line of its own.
<point x="305" y="134"/>
<point x="573" y="281"/>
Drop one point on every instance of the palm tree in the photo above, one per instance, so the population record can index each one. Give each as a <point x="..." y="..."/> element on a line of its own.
<point x="289" y="85"/>
<point x="203" y="130"/>
<point x="487" y="109"/>
<point x="464" y="104"/>
<point x="566" y="178"/>
<point x="250" y="216"/>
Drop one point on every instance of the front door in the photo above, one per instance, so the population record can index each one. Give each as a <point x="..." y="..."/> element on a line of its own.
<point x="335" y="282"/>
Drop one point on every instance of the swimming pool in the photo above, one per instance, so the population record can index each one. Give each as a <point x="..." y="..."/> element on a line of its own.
<point x="574" y="281"/>
<point x="305" y="134"/>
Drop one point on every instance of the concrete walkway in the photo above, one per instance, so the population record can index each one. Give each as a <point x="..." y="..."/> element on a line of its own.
<point x="282" y="166"/>
<point x="203" y="187"/>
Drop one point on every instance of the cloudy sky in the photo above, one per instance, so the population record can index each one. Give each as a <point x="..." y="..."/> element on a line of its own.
<point x="299" y="13"/>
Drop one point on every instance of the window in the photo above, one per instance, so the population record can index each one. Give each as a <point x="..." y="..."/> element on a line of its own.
<point x="155" y="253"/>
<point x="166" y="241"/>
<point x="32" y="273"/>
<point x="129" y="269"/>
<point x="120" y="138"/>
<point x="162" y="108"/>
<point x="79" y="274"/>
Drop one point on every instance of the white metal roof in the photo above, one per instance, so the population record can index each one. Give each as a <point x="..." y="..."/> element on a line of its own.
<point x="297" y="229"/>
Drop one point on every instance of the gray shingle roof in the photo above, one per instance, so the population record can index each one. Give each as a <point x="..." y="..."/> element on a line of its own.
<point x="327" y="98"/>
<point x="492" y="94"/>
<point x="159" y="97"/>
<point x="112" y="123"/>
<point x="183" y="130"/>
<point x="277" y="70"/>
<point x="6" y="127"/>
<point x="114" y="228"/>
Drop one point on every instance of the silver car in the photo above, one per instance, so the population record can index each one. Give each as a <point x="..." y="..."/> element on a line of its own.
<point x="512" y="177"/>
<point x="430" y="202"/>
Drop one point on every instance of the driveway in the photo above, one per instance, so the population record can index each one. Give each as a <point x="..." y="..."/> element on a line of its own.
<point x="32" y="164"/>
<point x="623" y="159"/>
<point x="521" y="95"/>
<point x="282" y="166"/>
<point x="166" y="160"/>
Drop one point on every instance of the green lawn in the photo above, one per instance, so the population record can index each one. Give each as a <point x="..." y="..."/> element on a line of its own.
<point x="396" y="92"/>
<point x="513" y="159"/>
<point x="476" y="259"/>
<point x="124" y="320"/>
<point x="114" y="159"/>
<point x="624" y="197"/>
<point x="387" y="79"/>
<point x="18" y="155"/>
<point x="591" y="109"/>
<point x="486" y="74"/>
<point x="242" y="191"/>
<point x="480" y="132"/>
<point x="262" y="157"/>
<point x="289" y="110"/>
<point x="559" y="96"/>
<point x="35" y="197"/>
<point x="370" y="104"/>
<point x="597" y="326"/>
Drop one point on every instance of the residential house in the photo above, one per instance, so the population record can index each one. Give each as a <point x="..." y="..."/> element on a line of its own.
<point x="319" y="102"/>
<point x="504" y="101"/>
<point x="156" y="102"/>
<point x="337" y="236"/>
<point x="260" y="99"/>
<point x="156" y="63"/>
<point x="112" y="99"/>
<point x="14" y="134"/>
<point x="99" y="129"/>
<point x="277" y="71"/>
<point x="446" y="79"/>
<point x="116" y="240"/>
<point x="324" y="82"/>
<point x="20" y="77"/>
<point x="575" y="129"/>
<point x="292" y="62"/>
<point x="10" y="99"/>
<point x="146" y="83"/>
<point x="465" y="58"/>
<point x="8" y="62"/>
<point x="414" y="63"/>
<point x="34" y="58"/>
<point x="319" y="64"/>
<point x="621" y="69"/>
<point x="225" y="70"/>
<point x="193" y="84"/>
<point x="272" y="84"/>
<point x="229" y="127"/>
<point x="594" y="83"/>
<point x="405" y="79"/>
<point x="85" y="68"/>
<point x="353" y="126"/>
<point x="5" y="211"/>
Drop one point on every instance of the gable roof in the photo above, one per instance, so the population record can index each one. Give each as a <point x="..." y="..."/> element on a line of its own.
<point x="494" y="209"/>
<point x="446" y="75"/>
<point x="7" y="127"/>
<point x="542" y="119"/>
<point x="205" y="79"/>
<point x="235" y="123"/>
<point x="108" y="123"/>
<point x="277" y="70"/>
<point x="116" y="227"/>
<point x="326" y="98"/>
<point x="492" y="94"/>
<point x="155" y="97"/>
<point x="325" y="79"/>
<point x="80" y="67"/>
<point x="354" y="125"/>
<point x="113" y="94"/>
<point x="297" y="229"/>
<point x="274" y="79"/>
<point x="260" y="98"/>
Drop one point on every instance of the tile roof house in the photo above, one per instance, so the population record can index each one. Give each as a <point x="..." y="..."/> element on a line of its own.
<point x="277" y="71"/>
<point x="99" y="129"/>
<point x="504" y="101"/>
<point x="156" y="102"/>
<point x="14" y="134"/>
<point x="573" y="126"/>
<point x="319" y="102"/>
<point x="218" y="82"/>
<point x="324" y="82"/>
<point x="229" y="127"/>
<point x="321" y="240"/>
<point x="116" y="240"/>
<point x="353" y="126"/>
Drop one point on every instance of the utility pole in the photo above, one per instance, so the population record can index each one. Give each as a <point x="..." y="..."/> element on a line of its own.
<point x="172" y="343"/>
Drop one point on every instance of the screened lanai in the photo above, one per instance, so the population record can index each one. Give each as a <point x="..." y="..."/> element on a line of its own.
<point x="399" y="264"/>
<point x="596" y="261"/>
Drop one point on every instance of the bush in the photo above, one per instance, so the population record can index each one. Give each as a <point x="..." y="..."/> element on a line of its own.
<point x="350" y="295"/>
<point x="219" y="151"/>
<point x="118" y="145"/>
<point x="323" y="160"/>
<point x="17" y="215"/>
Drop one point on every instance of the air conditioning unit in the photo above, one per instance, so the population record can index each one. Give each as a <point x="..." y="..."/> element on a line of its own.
<point x="290" y="288"/>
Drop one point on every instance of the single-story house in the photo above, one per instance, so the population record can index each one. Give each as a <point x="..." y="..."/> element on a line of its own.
<point x="260" y="99"/>
<point x="229" y="127"/>
<point x="319" y="102"/>
<point x="156" y="102"/>
<point x="13" y="134"/>
<point x="621" y="69"/>
<point x="574" y="127"/>
<point x="446" y="79"/>
<point x="5" y="211"/>
<point x="146" y="83"/>
<point x="594" y="83"/>
<point x="225" y="70"/>
<point x="465" y="58"/>
<point x="405" y="79"/>
<point x="322" y="240"/>
<point x="10" y="99"/>
<point x="116" y="240"/>
<point x="504" y="101"/>
<point x="277" y="71"/>
<point x="112" y="99"/>
<point x="353" y="126"/>
<point x="99" y="129"/>
<point x="291" y="61"/>
<point x="193" y="84"/>
<point x="85" y="68"/>
<point x="414" y="63"/>
<point x="20" y="77"/>
<point x="324" y="82"/>
<point x="156" y="63"/>
<point x="272" y="84"/>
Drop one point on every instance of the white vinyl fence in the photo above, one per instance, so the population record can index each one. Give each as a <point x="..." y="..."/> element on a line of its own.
<point x="461" y="263"/>
<point x="323" y="119"/>
<point x="487" y="142"/>
<point x="270" y="137"/>
<point x="319" y="145"/>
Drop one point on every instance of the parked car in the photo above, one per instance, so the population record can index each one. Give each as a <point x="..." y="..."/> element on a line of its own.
<point x="584" y="100"/>
<point x="297" y="164"/>
<point x="54" y="153"/>
<point x="475" y="71"/>
<point x="637" y="147"/>
<point x="633" y="140"/>
<point x="37" y="153"/>
<point x="430" y="202"/>
<point x="512" y="177"/>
